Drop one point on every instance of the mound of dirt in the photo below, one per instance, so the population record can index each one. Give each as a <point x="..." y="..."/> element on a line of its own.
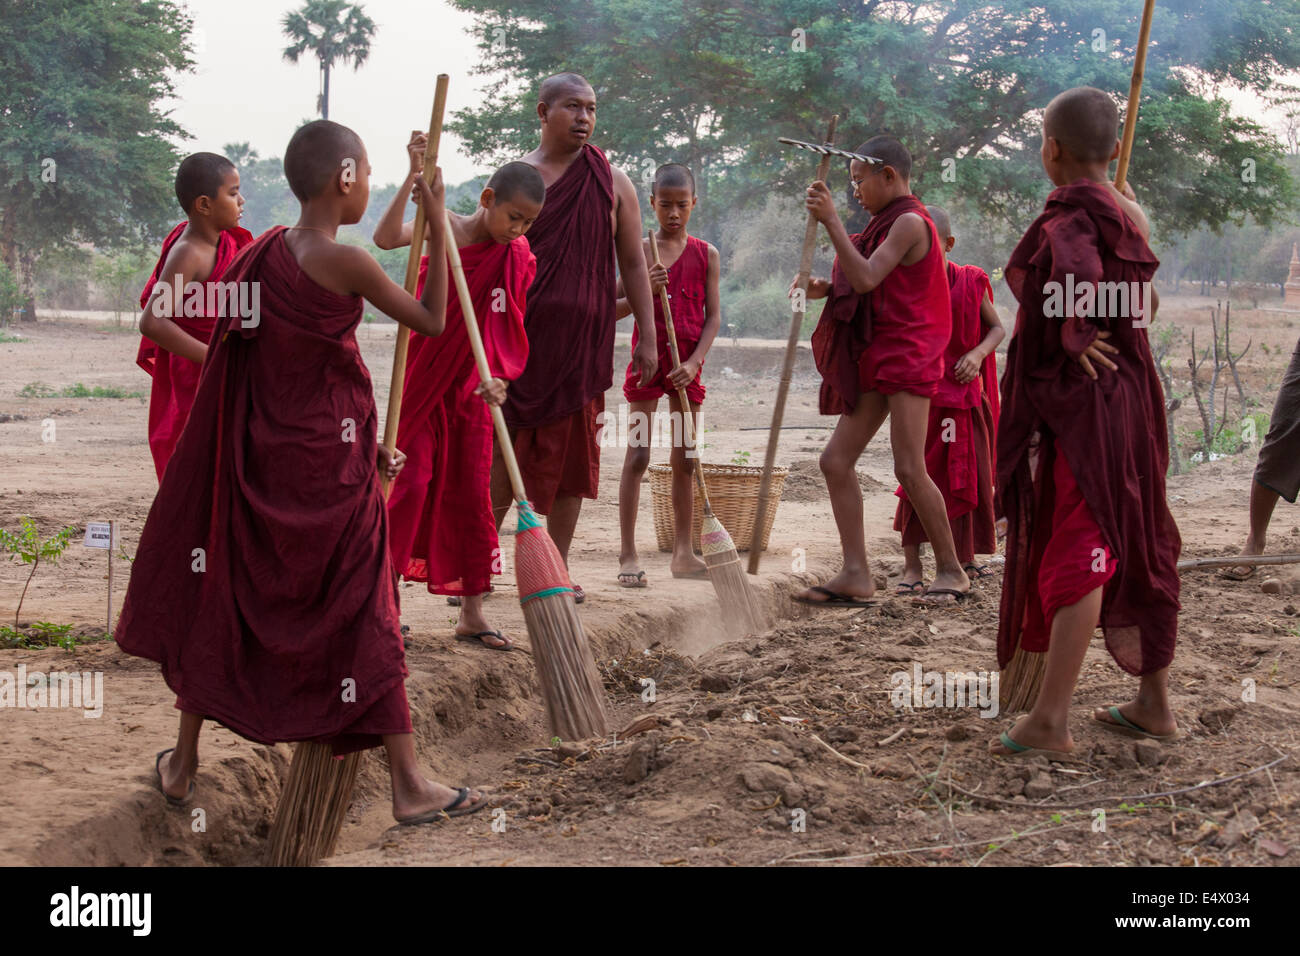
<point x="804" y="482"/>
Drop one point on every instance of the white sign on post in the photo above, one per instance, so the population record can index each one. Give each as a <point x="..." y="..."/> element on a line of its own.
<point x="99" y="534"/>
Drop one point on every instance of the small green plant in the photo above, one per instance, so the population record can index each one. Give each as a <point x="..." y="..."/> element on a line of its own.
<point x="55" y="634"/>
<point x="36" y="390"/>
<point x="555" y="741"/>
<point x="740" y="458"/>
<point x="7" y="337"/>
<point x="27" y="546"/>
<point x="99" y="391"/>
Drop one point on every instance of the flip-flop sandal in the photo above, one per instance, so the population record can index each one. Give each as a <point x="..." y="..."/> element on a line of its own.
<point x="978" y="571"/>
<point x="1122" y="725"/>
<point x="579" y="595"/>
<point x="835" y="599"/>
<point x="1020" y="751"/>
<point x="450" y="810"/>
<point x="1239" y="573"/>
<point x="903" y="589"/>
<point x="632" y="579"/>
<point x="692" y="575"/>
<point x="957" y="598"/>
<point x="157" y="769"/>
<point x="406" y="633"/>
<point x="478" y="639"/>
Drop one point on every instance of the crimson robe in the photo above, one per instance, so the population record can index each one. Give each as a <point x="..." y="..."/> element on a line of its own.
<point x="960" y="439"/>
<point x="571" y="304"/>
<point x="1111" y="431"/>
<point x="441" y="528"/>
<point x="175" y="379"/>
<point x="285" y="625"/>
<point x="892" y="338"/>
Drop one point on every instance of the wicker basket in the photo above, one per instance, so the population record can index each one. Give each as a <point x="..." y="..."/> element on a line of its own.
<point x="733" y="492"/>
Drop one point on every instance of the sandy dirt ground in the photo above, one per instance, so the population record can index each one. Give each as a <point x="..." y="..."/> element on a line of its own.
<point x="782" y="748"/>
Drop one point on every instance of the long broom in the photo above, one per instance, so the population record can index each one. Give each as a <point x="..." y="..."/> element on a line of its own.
<point x="740" y="608"/>
<point x="318" y="791"/>
<point x="1022" y="678"/>
<point x="798" y="311"/>
<point x="571" y="688"/>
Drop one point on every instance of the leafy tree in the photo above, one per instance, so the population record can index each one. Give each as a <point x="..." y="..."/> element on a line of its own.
<point x="120" y="276"/>
<point x="28" y="546"/>
<point x="962" y="83"/>
<point x="334" y="32"/>
<point x="85" y="139"/>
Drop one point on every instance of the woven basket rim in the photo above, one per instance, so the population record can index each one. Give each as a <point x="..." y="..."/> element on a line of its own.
<point x="739" y="471"/>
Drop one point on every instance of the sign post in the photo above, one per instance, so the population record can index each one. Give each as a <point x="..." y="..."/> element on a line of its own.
<point x="102" y="534"/>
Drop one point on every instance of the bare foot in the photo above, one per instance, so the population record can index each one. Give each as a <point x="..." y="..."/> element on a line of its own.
<point x="1029" y="734"/>
<point x="416" y="798"/>
<point x="686" y="565"/>
<point x="857" y="585"/>
<point x="946" y="581"/>
<point x="1156" y="721"/>
<point x="1243" y="572"/>
<point x="176" y="779"/>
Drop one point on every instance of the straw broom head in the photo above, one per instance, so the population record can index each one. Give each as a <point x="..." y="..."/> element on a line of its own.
<point x="571" y="688"/>
<point x="312" y="805"/>
<point x="742" y="612"/>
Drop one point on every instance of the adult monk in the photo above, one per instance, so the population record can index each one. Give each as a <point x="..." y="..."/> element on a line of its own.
<point x="591" y="217"/>
<point x="963" y="422"/>
<point x="1081" y="444"/>
<point x="441" y="529"/>
<point x="262" y="583"/>
<point x="183" y="296"/>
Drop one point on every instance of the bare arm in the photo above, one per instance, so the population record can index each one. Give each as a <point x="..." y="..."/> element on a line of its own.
<point x="635" y="276"/>
<point x="622" y="308"/>
<point x="712" y="309"/>
<point x="392" y="232"/>
<point x="968" y="366"/>
<point x="906" y="235"/>
<point x="184" y="264"/>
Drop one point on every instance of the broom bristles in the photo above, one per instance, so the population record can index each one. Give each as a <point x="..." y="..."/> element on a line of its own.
<point x="741" y="612"/>
<point x="313" y="803"/>
<point x="1021" y="680"/>
<point x="571" y="688"/>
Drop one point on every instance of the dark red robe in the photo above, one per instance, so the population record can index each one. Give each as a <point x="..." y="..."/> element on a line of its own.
<point x="288" y="629"/>
<point x="892" y="338"/>
<point x="959" y="440"/>
<point x="571" y="304"/>
<point x="175" y="379"/>
<point x="1111" y="433"/>
<point x="441" y="529"/>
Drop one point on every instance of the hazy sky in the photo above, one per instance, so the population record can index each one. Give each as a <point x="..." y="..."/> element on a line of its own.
<point x="241" y="88"/>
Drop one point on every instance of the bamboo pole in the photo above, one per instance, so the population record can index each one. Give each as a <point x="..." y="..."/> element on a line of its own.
<point x="394" y="415"/>
<point x="1134" y="95"/>
<point x="798" y="311"/>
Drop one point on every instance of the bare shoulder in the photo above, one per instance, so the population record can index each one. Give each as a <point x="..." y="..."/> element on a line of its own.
<point x="623" y="187"/>
<point x="911" y="224"/>
<point x="189" y="258"/>
<point x="715" y="257"/>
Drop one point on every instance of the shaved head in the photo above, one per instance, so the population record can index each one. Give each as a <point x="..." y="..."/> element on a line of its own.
<point x="1085" y="121"/>
<point x="315" y="155"/>
<point x="553" y="87"/>
<point x="891" y="152"/>
<point x="673" y="176"/>
<point x="200" y="174"/>
<point x="514" y="179"/>
<point x="939" y="216"/>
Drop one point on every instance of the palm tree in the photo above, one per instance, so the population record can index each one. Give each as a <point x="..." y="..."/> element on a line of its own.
<point x="335" y="31"/>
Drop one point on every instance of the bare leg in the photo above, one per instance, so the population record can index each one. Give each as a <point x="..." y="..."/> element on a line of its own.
<point x="562" y="521"/>
<point x="629" y="491"/>
<point x="472" y="621"/>
<point x="1046" y="726"/>
<point x="179" y="767"/>
<point x="684" y="560"/>
<point x="839" y="465"/>
<point x="1262" y="502"/>
<point x="1150" y="710"/>
<point x="912" y="570"/>
<point x="413" y="793"/>
<point x="909" y="419"/>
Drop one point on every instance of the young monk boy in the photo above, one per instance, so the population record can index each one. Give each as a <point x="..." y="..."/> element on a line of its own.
<point x="879" y="346"/>
<point x="176" y="327"/>
<point x="1081" y="443"/>
<point x="263" y="583"/>
<point x="963" y="422"/>
<point x="441" y="528"/>
<point x="689" y="271"/>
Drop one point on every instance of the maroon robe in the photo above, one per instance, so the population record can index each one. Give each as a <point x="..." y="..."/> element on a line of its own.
<point x="441" y="528"/>
<point x="289" y="629"/>
<point x="175" y="379"/>
<point x="571" y="304"/>
<point x="959" y="440"/>
<point x="892" y="338"/>
<point x="1111" y="432"/>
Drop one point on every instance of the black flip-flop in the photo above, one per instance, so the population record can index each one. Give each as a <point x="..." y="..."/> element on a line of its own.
<point x="157" y="769"/>
<point x="634" y="579"/>
<point x="478" y="639"/>
<point x="835" y="599"/>
<point x="902" y="588"/>
<point x="957" y="598"/>
<point x="450" y="810"/>
<point x="974" y="570"/>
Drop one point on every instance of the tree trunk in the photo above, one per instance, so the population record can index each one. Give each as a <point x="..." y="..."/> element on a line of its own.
<point x="325" y="91"/>
<point x="27" y="281"/>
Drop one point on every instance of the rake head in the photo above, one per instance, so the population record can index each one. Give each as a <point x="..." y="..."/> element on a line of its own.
<point x="831" y="151"/>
